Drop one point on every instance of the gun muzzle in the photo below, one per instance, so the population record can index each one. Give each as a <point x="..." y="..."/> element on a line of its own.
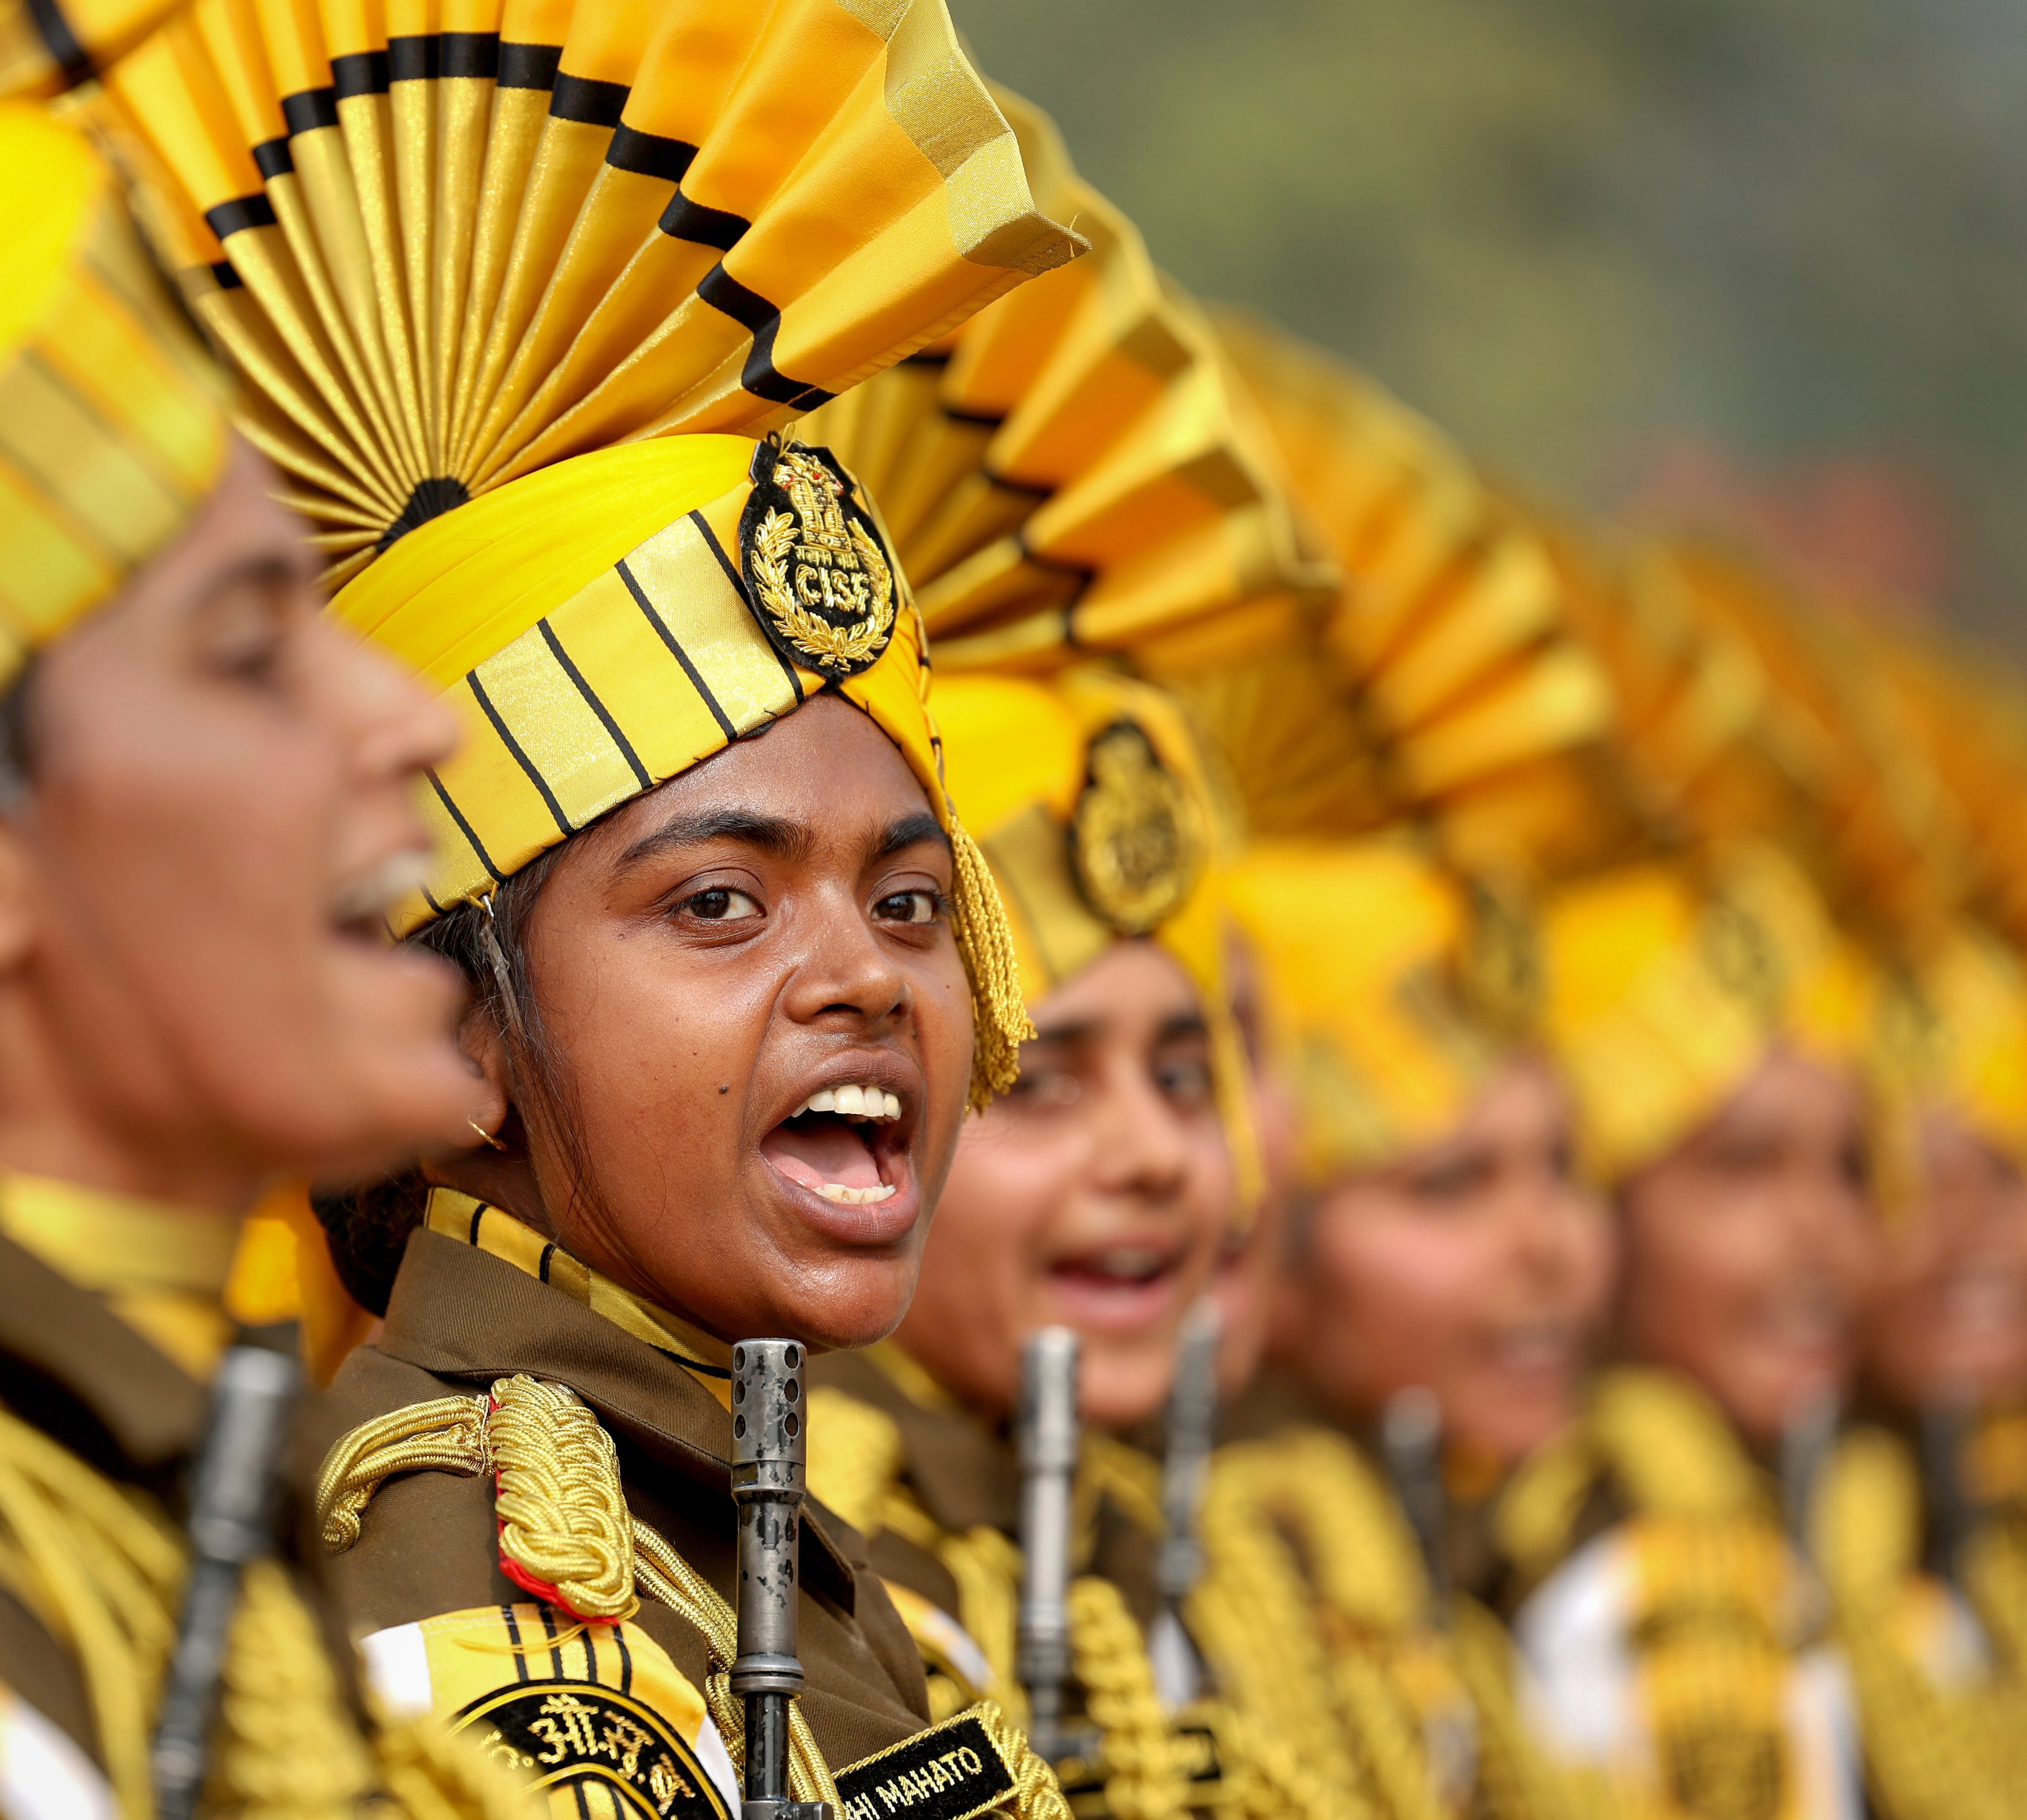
<point x="232" y="1517"/>
<point x="1411" y="1437"/>
<point x="1190" y="1432"/>
<point x="770" y="1451"/>
<point x="1048" y="1448"/>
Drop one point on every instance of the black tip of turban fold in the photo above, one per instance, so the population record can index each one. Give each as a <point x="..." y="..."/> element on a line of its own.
<point x="61" y="42"/>
<point x="431" y="498"/>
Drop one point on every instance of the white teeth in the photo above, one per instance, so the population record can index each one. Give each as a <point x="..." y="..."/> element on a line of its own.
<point x="853" y="1101"/>
<point x="837" y="1191"/>
<point x="376" y="890"/>
<point x="1130" y="1265"/>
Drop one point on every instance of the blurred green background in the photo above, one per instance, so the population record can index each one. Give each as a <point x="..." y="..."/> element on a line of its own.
<point x="1749" y="264"/>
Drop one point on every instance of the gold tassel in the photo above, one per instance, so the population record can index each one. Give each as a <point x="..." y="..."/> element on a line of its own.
<point x="1145" y="1772"/>
<point x="1000" y="1021"/>
<point x="447" y="1434"/>
<point x="563" y="1512"/>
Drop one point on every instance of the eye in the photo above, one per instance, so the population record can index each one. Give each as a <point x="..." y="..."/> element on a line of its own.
<point x="1044" y="1088"/>
<point x="721" y="904"/>
<point x="908" y="907"/>
<point x="1451" y="1178"/>
<point x="1186" y="1080"/>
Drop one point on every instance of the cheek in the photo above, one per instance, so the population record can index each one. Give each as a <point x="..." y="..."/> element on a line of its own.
<point x="943" y="1030"/>
<point x="1697" y="1249"/>
<point x="649" y="1044"/>
<point x="1397" y="1284"/>
<point x="204" y="869"/>
<point x="1007" y="1181"/>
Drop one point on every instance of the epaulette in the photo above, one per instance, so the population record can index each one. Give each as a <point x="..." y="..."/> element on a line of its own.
<point x="567" y="1536"/>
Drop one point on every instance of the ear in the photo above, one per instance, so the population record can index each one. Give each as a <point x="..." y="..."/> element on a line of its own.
<point x="486" y="1053"/>
<point x="20" y="902"/>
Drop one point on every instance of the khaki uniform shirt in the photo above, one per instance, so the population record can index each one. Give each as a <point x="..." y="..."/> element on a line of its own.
<point x="593" y="1709"/>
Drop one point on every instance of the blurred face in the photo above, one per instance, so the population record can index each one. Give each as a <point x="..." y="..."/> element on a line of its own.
<point x="761" y="1027"/>
<point x="1248" y="1261"/>
<point x="1476" y="1267"/>
<point x="197" y="992"/>
<point x="1950" y="1321"/>
<point x="1094" y="1196"/>
<point x="1750" y="1248"/>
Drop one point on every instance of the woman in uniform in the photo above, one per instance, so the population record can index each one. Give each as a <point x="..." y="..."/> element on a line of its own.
<point x="207" y="806"/>
<point x="738" y="970"/>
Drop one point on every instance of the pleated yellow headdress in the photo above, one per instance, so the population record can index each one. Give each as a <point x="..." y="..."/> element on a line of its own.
<point x="1666" y="983"/>
<point x="1071" y="473"/>
<point x="1366" y="952"/>
<point x="1484" y="714"/>
<point x="113" y="428"/>
<point x="514" y="285"/>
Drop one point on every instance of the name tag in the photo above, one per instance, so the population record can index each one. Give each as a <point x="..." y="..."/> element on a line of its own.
<point x="952" y="1771"/>
<point x="566" y="1733"/>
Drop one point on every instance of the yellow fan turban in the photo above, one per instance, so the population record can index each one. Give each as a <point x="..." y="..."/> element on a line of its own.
<point x="113" y="428"/>
<point x="1364" y="947"/>
<point x="1070" y="473"/>
<point x="1666" y="984"/>
<point x="516" y="286"/>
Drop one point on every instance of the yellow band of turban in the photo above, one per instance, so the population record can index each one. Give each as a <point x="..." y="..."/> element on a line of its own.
<point x="1667" y="985"/>
<point x="591" y="626"/>
<point x="112" y="427"/>
<point x="1363" y="944"/>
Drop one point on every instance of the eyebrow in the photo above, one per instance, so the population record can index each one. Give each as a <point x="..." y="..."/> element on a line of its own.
<point x="773" y="835"/>
<point x="1183" y="1024"/>
<point x="268" y="571"/>
<point x="911" y="832"/>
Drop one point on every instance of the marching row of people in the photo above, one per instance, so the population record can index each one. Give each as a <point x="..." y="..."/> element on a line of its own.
<point x="992" y="1053"/>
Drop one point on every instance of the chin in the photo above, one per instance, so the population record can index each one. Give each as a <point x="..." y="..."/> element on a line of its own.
<point x="1122" y="1394"/>
<point x="844" y="1316"/>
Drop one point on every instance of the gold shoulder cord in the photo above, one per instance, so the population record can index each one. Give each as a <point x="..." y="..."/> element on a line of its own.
<point x="1931" y="1753"/>
<point x="1313" y="1611"/>
<point x="1271" y="1771"/>
<point x="1717" y="1621"/>
<point x="564" y="1521"/>
<point x="103" y="1571"/>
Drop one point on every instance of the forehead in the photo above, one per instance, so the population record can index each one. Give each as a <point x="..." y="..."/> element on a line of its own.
<point x="826" y="769"/>
<point x="1133" y="990"/>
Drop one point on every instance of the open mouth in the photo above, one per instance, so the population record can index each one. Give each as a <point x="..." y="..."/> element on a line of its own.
<point x="834" y="1142"/>
<point x="1116" y="1287"/>
<point x="359" y="907"/>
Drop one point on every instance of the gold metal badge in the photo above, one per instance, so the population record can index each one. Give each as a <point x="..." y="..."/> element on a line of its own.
<point x="1134" y="843"/>
<point x="821" y="579"/>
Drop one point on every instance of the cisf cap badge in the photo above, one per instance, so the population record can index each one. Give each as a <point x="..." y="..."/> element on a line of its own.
<point x="820" y="579"/>
<point x="1134" y="841"/>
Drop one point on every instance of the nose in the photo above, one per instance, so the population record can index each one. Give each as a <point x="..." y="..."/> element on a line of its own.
<point x="1140" y="1146"/>
<point x="844" y="977"/>
<point x="399" y="728"/>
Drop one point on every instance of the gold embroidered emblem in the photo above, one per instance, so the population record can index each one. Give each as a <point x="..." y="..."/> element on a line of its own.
<point x="1133" y="839"/>
<point x="575" y="1734"/>
<point x="820" y="580"/>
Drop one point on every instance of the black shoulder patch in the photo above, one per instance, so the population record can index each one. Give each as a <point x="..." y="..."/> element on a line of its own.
<point x="950" y="1772"/>
<point x="563" y="1733"/>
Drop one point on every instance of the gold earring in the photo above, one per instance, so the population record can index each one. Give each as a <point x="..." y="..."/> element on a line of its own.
<point x="485" y="1134"/>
